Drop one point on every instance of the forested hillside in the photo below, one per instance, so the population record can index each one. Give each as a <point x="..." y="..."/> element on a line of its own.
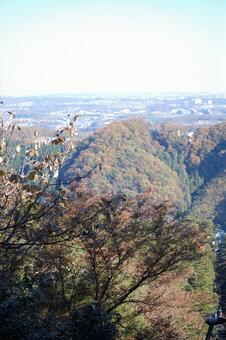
<point x="116" y="247"/>
<point x="172" y="162"/>
<point x="125" y="152"/>
<point x="183" y="165"/>
<point x="204" y="158"/>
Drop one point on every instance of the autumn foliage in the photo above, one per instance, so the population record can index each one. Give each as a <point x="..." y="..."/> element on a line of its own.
<point x="81" y="265"/>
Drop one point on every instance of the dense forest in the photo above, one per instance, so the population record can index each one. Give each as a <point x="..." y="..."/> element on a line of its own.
<point x="173" y="163"/>
<point x="111" y="237"/>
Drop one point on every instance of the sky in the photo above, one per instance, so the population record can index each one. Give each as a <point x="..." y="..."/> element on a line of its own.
<point x="72" y="46"/>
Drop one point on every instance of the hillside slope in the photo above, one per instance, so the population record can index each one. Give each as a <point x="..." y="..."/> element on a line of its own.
<point x="210" y="200"/>
<point x="174" y="164"/>
<point x="200" y="162"/>
<point x="126" y="151"/>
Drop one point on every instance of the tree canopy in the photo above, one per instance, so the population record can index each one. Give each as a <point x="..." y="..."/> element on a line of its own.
<point x="83" y="264"/>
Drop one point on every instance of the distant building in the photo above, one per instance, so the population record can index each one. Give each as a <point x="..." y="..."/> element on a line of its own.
<point x="198" y="101"/>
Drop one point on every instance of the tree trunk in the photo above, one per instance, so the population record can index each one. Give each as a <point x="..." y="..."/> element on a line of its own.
<point x="209" y="333"/>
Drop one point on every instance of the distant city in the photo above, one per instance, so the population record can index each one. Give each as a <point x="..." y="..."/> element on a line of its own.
<point x="96" y="111"/>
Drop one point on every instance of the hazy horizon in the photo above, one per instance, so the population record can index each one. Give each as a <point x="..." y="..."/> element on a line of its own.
<point x="119" y="94"/>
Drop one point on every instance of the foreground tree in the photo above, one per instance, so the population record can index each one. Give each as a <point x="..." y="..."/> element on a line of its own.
<point x="77" y="265"/>
<point x="133" y="240"/>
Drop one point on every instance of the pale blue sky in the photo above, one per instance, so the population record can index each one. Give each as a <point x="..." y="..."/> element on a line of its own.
<point x="112" y="46"/>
